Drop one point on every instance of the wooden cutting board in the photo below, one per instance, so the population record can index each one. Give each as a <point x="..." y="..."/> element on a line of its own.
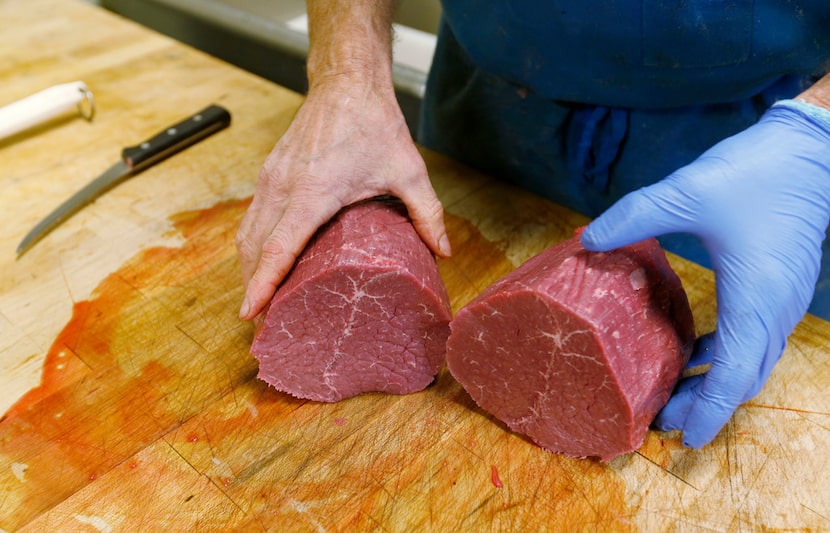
<point x="131" y="401"/>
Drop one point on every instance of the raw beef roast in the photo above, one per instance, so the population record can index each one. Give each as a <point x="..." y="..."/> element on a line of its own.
<point x="577" y="350"/>
<point x="364" y="309"/>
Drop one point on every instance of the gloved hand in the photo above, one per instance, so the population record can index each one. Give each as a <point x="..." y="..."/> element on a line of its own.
<point x="347" y="143"/>
<point x="760" y="203"/>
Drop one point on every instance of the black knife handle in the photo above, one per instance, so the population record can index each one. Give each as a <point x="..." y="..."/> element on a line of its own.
<point x="177" y="137"/>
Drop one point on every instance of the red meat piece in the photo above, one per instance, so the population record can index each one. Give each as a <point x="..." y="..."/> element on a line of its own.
<point x="577" y="350"/>
<point x="364" y="309"/>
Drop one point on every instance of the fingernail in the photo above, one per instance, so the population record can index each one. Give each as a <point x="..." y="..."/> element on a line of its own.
<point x="444" y="246"/>
<point x="246" y="308"/>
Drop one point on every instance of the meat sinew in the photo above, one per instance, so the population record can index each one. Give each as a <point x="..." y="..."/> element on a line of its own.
<point x="576" y="350"/>
<point x="364" y="309"/>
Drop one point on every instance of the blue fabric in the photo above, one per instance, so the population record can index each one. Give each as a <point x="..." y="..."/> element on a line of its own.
<point x="581" y="155"/>
<point x="644" y="53"/>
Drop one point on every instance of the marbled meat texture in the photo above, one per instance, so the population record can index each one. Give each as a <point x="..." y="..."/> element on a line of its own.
<point x="577" y="350"/>
<point x="364" y="309"/>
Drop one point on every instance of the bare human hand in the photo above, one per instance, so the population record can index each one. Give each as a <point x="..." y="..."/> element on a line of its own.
<point x="347" y="143"/>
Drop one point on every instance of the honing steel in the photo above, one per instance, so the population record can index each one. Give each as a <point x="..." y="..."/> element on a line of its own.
<point x="133" y="160"/>
<point x="44" y="106"/>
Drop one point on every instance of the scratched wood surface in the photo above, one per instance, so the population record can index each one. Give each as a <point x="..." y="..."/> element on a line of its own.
<point x="128" y="399"/>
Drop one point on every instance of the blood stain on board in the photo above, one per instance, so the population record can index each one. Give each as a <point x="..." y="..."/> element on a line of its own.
<point x="134" y="361"/>
<point x="159" y="342"/>
<point x="494" y="477"/>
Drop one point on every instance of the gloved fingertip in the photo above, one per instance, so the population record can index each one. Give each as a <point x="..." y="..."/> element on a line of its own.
<point x="592" y="240"/>
<point x="670" y="418"/>
<point x="690" y="441"/>
<point x="695" y="440"/>
<point x="705" y="421"/>
<point x="664" y="423"/>
<point x="703" y="352"/>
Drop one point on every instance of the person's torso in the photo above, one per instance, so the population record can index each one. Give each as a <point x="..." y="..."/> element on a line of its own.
<point x="644" y="53"/>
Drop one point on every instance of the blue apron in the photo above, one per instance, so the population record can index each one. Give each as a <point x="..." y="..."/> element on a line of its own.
<point x="583" y="101"/>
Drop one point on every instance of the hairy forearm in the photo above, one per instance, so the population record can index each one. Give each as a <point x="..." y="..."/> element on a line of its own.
<point x="819" y="93"/>
<point x="350" y="42"/>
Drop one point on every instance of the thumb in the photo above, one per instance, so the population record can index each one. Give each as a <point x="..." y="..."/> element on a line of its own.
<point x="744" y="354"/>
<point x="648" y="212"/>
<point x="427" y="214"/>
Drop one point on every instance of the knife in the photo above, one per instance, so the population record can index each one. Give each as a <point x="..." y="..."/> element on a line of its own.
<point x="133" y="160"/>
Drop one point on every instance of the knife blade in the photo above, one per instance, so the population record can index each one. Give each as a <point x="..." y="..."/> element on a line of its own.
<point x="133" y="160"/>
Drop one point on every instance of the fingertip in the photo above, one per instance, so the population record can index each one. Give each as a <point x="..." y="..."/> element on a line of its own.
<point x="691" y="442"/>
<point x="697" y="437"/>
<point x="666" y="423"/>
<point x="252" y="306"/>
<point x="673" y="415"/>
<point x="258" y="296"/>
<point x="260" y="290"/>
<point x="427" y="215"/>
<point x="433" y="232"/>
<point x="706" y="419"/>
<point x="444" y="247"/>
<point x="591" y="240"/>
<point x="733" y="373"/>
<point x="648" y="212"/>
<point x="703" y="352"/>
<point x="245" y="309"/>
<point x="611" y="230"/>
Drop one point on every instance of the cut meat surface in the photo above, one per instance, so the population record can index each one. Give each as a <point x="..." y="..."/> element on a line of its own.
<point x="364" y="309"/>
<point x="577" y="350"/>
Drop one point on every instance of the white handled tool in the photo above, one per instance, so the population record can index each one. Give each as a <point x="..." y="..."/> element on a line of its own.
<point x="44" y="106"/>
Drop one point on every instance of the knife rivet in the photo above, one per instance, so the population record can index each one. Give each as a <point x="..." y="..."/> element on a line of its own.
<point x="197" y="118"/>
<point x="171" y="131"/>
<point x="145" y="146"/>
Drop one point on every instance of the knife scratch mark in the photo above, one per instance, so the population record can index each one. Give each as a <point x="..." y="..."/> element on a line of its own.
<point x="749" y="405"/>
<point x="478" y="507"/>
<point x="260" y="465"/>
<point x="189" y="336"/>
<point x="183" y="458"/>
<point x="128" y="282"/>
<point x="534" y="497"/>
<point x="378" y="525"/>
<point x="467" y="447"/>
<point x="815" y="512"/>
<point x="66" y="280"/>
<point x="666" y="470"/>
<point x="221" y="486"/>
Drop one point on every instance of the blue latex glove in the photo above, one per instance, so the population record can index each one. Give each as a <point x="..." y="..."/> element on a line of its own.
<point x="760" y="202"/>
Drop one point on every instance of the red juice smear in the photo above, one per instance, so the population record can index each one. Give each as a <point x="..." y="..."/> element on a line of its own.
<point x="494" y="477"/>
